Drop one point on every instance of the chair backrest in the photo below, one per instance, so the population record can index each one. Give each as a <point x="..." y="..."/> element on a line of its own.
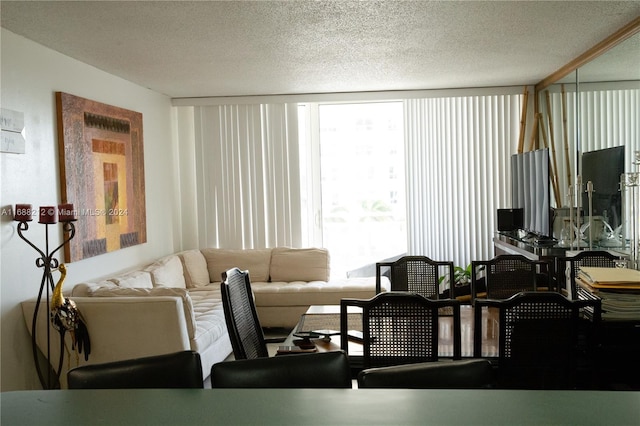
<point x="174" y="370"/>
<point x="596" y="258"/>
<point x="543" y="338"/>
<point x="243" y="325"/>
<point x="400" y="328"/>
<point x="313" y="370"/>
<point x="509" y="274"/>
<point x="417" y="274"/>
<point x="467" y="374"/>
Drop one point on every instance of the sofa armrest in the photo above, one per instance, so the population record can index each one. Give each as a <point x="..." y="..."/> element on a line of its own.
<point x="187" y="304"/>
<point x="119" y="328"/>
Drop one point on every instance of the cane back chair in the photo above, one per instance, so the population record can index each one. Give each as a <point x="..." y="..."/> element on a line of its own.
<point x="400" y="328"/>
<point x="545" y="339"/>
<point x="570" y="265"/>
<point x="243" y="325"/>
<point x="417" y="274"/>
<point x="509" y="274"/>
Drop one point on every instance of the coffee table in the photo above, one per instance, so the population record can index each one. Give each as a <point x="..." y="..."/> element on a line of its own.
<point x="321" y="325"/>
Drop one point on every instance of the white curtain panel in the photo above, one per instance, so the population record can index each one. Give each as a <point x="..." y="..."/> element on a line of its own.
<point x="247" y="174"/>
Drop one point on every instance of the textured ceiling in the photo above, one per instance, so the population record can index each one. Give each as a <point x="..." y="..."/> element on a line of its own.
<point x="213" y="48"/>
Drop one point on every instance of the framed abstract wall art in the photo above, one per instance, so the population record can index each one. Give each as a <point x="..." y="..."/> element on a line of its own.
<point x="102" y="175"/>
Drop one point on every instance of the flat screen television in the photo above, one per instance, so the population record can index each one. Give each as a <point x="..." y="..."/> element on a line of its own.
<point x="603" y="168"/>
<point x="530" y="190"/>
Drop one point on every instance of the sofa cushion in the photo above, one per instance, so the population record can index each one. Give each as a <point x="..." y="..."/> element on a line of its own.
<point x="301" y="293"/>
<point x="157" y="291"/>
<point x="135" y="279"/>
<point x="294" y="264"/>
<point x="195" y="270"/>
<point x="209" y="316"/>
<point x="256" y="261"/>
<point x="167" y="272"/>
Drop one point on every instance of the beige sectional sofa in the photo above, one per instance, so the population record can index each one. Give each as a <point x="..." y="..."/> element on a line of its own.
<point x="175" y="303"/>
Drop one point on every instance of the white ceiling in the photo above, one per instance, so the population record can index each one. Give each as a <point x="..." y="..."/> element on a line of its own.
<point x="216" y="48"/>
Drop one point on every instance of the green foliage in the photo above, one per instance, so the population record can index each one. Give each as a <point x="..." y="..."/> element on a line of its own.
<point x="375" y="211"/>
<point x="460" y="275"/>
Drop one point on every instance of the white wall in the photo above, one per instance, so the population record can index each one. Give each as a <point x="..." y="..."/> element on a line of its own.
<point x="30" y="76"/>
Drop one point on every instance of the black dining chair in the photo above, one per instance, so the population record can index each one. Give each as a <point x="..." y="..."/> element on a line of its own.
<point x="243" y="325"/>
<point x="462" y="374"/>
<point x="570" y="265"/>
<point x="416" y="274"/>
<point x="545" y="340"/>
<point x="509" y="274"/>
<point x="400" y="328"/>
<point x="312" y="370"/>
<point x="175" y="370"/>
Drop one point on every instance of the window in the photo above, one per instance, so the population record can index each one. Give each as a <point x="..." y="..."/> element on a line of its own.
<point x="354" y="159"/>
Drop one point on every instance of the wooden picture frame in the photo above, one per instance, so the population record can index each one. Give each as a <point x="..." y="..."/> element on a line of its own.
<point x="102" y="175"/>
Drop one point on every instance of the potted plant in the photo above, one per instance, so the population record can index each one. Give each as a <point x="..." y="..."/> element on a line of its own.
<point x="461" y="281"/>
<point x="462" y="276"/>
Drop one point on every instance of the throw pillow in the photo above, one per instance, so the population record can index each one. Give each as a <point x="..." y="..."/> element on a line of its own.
<point x="195" y="269"/>
<point x="167" y="272"/>
<point x="135" y="279"/>
<point x="87" y="289"/>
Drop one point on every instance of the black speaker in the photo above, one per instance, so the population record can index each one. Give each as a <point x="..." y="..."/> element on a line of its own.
<point x="510" y="219"/>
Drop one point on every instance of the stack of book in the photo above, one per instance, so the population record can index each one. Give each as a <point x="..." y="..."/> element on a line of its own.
<point x="618" y="288"/>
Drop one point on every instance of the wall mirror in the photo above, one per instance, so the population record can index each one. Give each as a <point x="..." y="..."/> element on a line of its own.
<point x="589" y="117"/>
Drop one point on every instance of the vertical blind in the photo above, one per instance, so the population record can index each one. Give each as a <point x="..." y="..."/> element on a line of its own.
<point x="246" y="167"/>
<point x="457" y="153"/>
<point x="247" y="173"/>
<point x="610" y="118"/>
<point x="597" y="118"/>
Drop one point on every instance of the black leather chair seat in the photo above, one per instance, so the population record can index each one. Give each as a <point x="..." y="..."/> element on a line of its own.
<point x="175" y="370"/>
<point x="467" y="374"/>
<point x="313" y="370"/>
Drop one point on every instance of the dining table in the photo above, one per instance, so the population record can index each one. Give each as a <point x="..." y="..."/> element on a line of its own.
<point x="192" y="407"/>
